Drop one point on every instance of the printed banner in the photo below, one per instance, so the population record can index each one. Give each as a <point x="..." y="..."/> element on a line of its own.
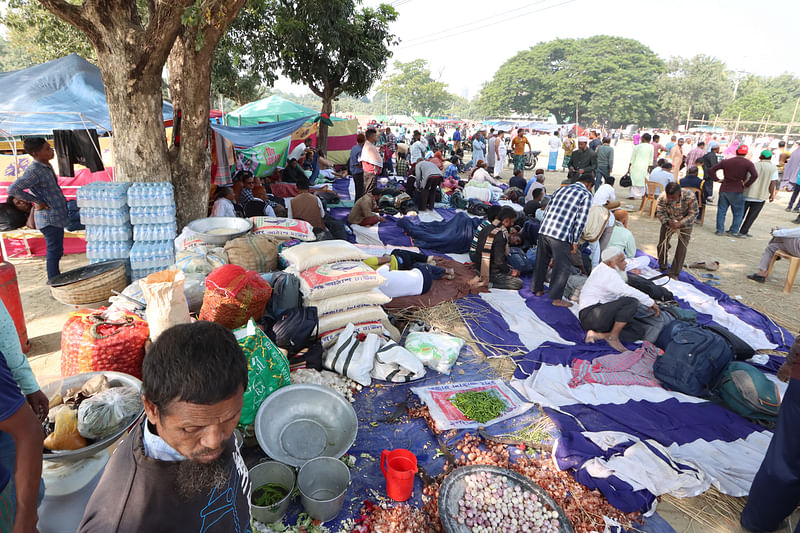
<point x="263" y="159"/>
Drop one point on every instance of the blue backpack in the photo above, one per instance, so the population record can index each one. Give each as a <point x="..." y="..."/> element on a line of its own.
<point x="693" y="360"/>
<point x="745" y="389"/>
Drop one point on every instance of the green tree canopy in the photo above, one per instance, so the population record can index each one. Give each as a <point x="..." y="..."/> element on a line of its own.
<point x="700" y="84"/>
<point x="412" y="91"/>
<point x="331" y="46"/>
<point x="609" y="79"/>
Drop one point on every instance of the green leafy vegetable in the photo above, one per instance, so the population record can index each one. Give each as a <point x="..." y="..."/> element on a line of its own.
<point x="480" y="406"/>
<point x="269" y="494"/>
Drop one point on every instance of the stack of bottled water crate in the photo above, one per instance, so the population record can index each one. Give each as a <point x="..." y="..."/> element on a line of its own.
<point x="152" y="209"/>
<point x="104" y="211"/>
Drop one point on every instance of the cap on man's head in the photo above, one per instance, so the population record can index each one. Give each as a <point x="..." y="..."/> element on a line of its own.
<point x="766" y="154"/>
<point x="742" y="150"/>
<point x="712" y="145"/>
<point x="428" y="154"/>
<point x="610" y="253"/>
<point x="583" y="139"/>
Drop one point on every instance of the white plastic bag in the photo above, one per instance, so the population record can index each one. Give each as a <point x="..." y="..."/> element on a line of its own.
<point x="351" y="357"/>
<point x="166" y="303"/>
<point x="447" y="416"/>
<point x="193" y="289"/>
<point x="108" y="411"/>
<point x="435" y="350"/>
<point x="396" y="364"/>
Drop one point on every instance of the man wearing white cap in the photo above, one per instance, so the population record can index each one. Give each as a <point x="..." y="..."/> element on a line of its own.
<point x="583" y="161"/>
<point x="708" y="161"/>
<point x="607" y="303"/>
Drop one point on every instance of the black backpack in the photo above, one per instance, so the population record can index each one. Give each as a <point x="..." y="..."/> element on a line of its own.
<point x="296" y="329"/>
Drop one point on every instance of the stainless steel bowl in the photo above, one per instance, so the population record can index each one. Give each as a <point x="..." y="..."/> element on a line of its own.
<point x="236" y="227"/>
<point x="301" y="422"/>
<point x="115" y="379"/>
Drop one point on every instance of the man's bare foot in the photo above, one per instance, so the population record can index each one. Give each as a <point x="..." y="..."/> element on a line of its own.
<point x="562" y="303"/>
<point x="540" y="293"/>
<point x="449" y="274"/>
<point x="593" y="336"/>
<point x="616" y="344"/>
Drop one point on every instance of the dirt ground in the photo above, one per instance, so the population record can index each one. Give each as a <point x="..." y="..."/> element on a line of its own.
<point x="738" y="257"/>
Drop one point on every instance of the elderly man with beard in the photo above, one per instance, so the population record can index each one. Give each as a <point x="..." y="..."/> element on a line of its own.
<point x="607" y="303"/>
<point x="179" y="469"/>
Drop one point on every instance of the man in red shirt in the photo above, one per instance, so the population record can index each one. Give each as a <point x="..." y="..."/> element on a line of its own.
<point x="371" y="160"/>
<point x="738" y="174"/>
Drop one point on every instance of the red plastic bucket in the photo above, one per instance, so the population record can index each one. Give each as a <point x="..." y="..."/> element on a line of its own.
<point x="399" y="468"/>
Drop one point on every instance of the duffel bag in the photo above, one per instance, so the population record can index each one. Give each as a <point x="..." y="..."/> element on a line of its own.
<point x="746" y="390"/>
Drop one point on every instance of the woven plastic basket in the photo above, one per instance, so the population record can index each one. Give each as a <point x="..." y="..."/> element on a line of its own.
<point x="95" y="289"/>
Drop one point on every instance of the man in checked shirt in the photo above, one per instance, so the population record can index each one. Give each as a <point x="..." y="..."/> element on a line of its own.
<point x="43" y="191"/>
<point x="561" y="229"/>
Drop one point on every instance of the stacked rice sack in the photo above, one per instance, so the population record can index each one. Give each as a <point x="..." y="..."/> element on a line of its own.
<point x="335" y="280"/>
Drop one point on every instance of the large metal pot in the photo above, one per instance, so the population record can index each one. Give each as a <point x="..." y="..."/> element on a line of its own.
<point x="323" y="484"/>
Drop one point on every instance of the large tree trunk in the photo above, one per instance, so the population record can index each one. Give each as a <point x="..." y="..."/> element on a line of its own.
<point x="322" y="134"/>
<point x="190" y="85"/>
<point x="138" y="139"/>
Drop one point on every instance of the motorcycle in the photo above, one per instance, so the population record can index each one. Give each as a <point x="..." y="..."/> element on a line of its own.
<point x="531" y="159"/>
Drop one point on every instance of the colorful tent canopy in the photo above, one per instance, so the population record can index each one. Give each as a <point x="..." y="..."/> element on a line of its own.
<point x="63" y="94"/>
<point x="271" y="109"/>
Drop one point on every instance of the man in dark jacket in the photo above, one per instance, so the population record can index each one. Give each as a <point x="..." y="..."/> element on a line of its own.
<point x="583" y="161"/>
<point x="491" y="255"/>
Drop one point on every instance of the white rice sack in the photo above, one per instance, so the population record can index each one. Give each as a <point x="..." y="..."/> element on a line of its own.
<point x="349" y="302"/>
<point x="283" y="228"/>
<point x="311" y="254"/>
<point x="482" y="193"/>
<point x="335" y="279"/>
<point x="331" y="321"/>
<point x="328" y="338"/>
<point x="186" y="236"/>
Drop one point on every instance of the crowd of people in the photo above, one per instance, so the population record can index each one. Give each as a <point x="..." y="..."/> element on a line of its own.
<point x="575" y="238"/>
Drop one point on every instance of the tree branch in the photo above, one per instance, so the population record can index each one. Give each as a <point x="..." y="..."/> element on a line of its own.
<point x="69" y="12"/>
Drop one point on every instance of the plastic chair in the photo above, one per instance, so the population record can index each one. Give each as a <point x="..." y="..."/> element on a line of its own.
<point x="794" y="266"/>
<point x="699" y="195"/>
<point x="654" y="189"/>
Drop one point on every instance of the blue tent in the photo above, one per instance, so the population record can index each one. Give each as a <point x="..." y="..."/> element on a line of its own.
<point x="63" y="94"/>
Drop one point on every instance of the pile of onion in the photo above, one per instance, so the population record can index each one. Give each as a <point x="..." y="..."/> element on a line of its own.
<point x="493" y="503"/>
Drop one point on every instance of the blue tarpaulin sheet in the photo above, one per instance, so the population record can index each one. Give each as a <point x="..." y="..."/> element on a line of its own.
<point x="249" y="136"/>
<point x="50" y="96"/>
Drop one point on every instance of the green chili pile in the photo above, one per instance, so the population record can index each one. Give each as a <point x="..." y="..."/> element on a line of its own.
<point x="269" y="494"/>
<point x="480" y="406"/>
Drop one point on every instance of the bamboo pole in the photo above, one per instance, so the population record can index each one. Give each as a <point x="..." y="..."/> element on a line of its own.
<point x="791" y="123"/>
<point x="736" y="128"/>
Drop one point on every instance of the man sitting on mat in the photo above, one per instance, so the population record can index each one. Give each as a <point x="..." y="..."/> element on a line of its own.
<point x="607" y="303"/>
<point x="491" y="256"/>
<point x="364" y="211"/>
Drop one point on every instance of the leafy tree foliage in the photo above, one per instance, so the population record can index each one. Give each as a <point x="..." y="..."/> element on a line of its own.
<point x="412" y="91"/>
<point x="758" y="97"/>
<point x="609" y="79"/>
<point x="331" y="46"/>
<point x="700" y="84"/>
<point x="37" y="36"/>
